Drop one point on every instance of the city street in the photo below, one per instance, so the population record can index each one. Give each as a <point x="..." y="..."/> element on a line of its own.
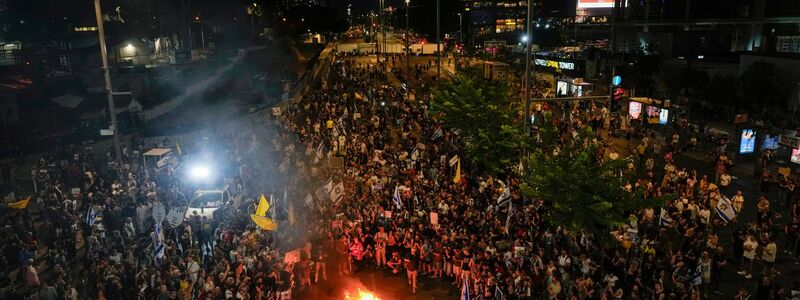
<point x="400" y="150"/>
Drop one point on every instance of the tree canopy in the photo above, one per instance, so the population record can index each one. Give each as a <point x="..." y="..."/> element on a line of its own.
<point x="482" y="110"/>
<point x="582" y="193"/>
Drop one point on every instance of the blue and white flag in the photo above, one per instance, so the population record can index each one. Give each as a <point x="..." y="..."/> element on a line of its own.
<point x="505" y="195"/>
<point x="398" y="202"/>
<point x="725" y="209"/>
<point x="465" y="290"/>
<point x="158" y="242"/>
<point x="498" y="293"/>
<point x="664" y="219"/>
<point x="90" y="216"/>
<point x="437" y="134"/>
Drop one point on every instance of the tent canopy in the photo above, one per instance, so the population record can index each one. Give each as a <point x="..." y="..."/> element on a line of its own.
<point x="157" y="151"/>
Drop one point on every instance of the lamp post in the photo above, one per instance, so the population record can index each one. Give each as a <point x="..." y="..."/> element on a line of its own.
<point x="383" y="28"/>
<point x="460" y="32"/>
<point x="438" y="46"/>
<point x="107" y="76"/>
<point x="407" y="40"/>
<point x="526" y="84"/>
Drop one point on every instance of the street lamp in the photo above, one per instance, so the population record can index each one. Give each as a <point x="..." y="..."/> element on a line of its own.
<point x="407" y="44"/>
<point x="460" y="33"/>
<point x="527" y="84"/>
<point x="438" y="46"/>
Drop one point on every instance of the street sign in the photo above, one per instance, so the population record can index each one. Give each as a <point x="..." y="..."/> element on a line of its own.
<point x="617" y="80"/>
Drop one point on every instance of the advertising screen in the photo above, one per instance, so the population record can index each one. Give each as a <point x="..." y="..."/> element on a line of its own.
<point x="663" y="117"/>
<point x="748" y="141"/>
<point x="796" y="156"/>
<point x="771" y="142"/>
<point x="562" y="88"/>
<point x="595" y="3"/>
<point x="653" y="115"/>
<point x="634" y="110"/>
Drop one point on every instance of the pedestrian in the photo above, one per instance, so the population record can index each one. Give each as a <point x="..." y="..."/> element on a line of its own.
<point x="768" y="255"/>
<point x="750" y="246"/>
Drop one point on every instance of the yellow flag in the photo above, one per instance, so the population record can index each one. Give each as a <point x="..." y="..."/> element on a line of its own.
<point x="21" y="204"/>
<point x="178" y="148"/>
<point x="264" y="222"/>
<point x="457" y="178"/>
<point x="292" y="218"/>
<point x="263" y="206"/>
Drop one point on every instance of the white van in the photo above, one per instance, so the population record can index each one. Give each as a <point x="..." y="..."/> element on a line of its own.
<point x="206" y="202"/>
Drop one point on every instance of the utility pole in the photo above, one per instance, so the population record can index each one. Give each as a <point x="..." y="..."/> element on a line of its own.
<point x="611" y="55"/>
<point x="383" y="28"/>
<point x="460" y="32"/>
<point x="526" y="84"/>
<point x="438" y="46"/>
<point x="107" y="75"/>
<point x="406" y="43"/>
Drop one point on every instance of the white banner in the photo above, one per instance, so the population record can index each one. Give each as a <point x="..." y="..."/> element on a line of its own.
<point x="176" y="215"/>
<point x="159" y="212"/>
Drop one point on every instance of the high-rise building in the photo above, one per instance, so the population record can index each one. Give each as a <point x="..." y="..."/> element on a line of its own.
<point x="698" y="27"/>
<point x="496" y="19"/>
<point x="288" y="4"/>
<point x="505" y="19"/>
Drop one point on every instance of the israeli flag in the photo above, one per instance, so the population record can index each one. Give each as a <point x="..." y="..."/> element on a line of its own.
<point x="505" y="195"/>
<point x="398" y="202"/>
<point x="664" y="219"/>
<point x="725" y="209"/>
<point x="158" y="242"/>
<point x="465" y="290"/>
<point x="90" y="216"/>
<point x="437" y="134"/>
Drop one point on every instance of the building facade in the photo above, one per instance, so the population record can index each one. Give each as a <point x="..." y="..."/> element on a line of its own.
<point x="701" y="27"/>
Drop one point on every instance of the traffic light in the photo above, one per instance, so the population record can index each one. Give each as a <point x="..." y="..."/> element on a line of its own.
<point x="616" y="100"/>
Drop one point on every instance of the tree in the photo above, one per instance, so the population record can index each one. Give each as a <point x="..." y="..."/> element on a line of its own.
<point x="481" y="109"/>
<point x="582" y="193"/>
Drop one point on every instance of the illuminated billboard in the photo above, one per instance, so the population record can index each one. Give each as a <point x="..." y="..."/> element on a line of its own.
<point x="634" y="109"/>
<point x="748" y="141"/>
<point x="663" y="116"/>
<point x="595" y="3"/>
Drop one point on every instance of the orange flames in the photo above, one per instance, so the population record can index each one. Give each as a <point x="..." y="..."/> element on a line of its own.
<point x="360" y="295"/>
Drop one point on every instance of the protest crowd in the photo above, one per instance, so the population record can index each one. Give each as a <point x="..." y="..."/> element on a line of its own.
<point x="360" y="178"/>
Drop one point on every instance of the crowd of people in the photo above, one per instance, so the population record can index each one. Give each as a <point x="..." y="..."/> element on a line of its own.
<point x="398" y="210"/>
<point x="397" y="172"/>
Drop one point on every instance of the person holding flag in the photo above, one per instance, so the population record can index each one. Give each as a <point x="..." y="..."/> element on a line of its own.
<point x="465" y="290"/>
<point x="398" y="200"/>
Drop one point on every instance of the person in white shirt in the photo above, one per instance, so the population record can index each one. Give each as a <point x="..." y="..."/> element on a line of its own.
<point x="192" y="268"/>
<point x="724" y="182"/>
<point x="738" y="201"/>
<point x="750" y="246"/>
<point x="564" y="261"/>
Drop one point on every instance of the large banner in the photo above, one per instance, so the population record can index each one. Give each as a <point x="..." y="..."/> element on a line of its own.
<point x="595" y="3"/>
